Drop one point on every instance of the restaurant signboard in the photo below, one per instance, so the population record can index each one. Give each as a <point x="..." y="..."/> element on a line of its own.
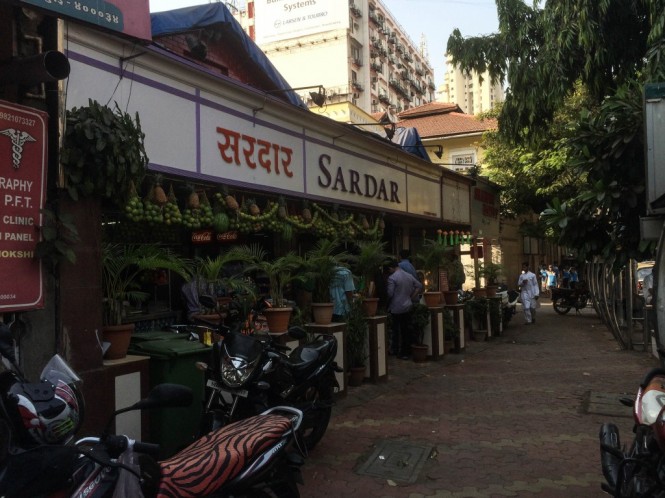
<point x="23" y="166"/>
<point x="130" y="17"/>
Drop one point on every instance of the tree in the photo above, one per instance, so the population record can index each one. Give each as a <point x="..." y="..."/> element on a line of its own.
<point x="608" y="49"/>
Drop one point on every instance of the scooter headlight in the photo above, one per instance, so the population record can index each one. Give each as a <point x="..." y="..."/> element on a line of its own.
<point x="236" y="371"/>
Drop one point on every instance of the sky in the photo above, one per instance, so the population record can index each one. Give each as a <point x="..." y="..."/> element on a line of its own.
<point x="436" y="19"/>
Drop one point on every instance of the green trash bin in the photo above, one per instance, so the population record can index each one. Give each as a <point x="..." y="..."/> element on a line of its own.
<point x="172" y="360"/>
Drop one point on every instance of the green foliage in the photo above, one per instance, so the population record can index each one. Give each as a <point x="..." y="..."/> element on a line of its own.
<point x="321" y="265"/>
<point x="450" y="328"/>
<point x="585" y="63"/>
<point x="280" y="271"/>
<point x="59" y="234"/>
<point x="214" y="270"/>
<point x="367" y="262"/>
<point x="491" y="272"/>
<point x="356" y="335"/>
<point x="433" y="256"/>
<point x="122" y="267"/>
<point x="103" y="152"/>
<point x="420" y="317"/>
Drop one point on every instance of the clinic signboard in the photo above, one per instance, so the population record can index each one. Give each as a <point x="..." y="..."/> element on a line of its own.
<point x="23" y="167"/>
<point x="277" y="20"/>
<point x="130" y="17"/>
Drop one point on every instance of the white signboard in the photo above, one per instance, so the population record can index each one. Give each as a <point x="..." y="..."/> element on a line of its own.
<point x="334" y="174"/>
<point x="238" y="150"/>
<point x="277" y="20"/>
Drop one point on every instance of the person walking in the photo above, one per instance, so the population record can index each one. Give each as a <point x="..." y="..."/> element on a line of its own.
<point x="551" y="279"/>
<point x="401" y="289"/>
<point x="529" y="293"/>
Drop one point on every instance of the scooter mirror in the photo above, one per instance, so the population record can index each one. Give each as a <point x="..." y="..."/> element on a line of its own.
<point x="208" y="301"/>
<point x="166" y="396"/>
<point x="297" y="332"/>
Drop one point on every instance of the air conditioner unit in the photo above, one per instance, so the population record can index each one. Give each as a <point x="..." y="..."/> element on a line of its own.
<point x="374" y="79"/>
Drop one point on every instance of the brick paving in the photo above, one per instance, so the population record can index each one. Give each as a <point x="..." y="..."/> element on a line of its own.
<point x="507" y="418"/>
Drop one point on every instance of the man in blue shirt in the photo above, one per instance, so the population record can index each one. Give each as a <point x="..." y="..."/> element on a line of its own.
<point x="401" y="289"/>
<point x="341" y="292"/>
<point x="406" y="265"/>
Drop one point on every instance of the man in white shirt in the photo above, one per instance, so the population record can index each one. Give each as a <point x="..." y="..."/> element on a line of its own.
<point x="529" y="293"/>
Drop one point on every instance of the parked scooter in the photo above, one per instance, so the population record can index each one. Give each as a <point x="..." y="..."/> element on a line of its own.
<point x="37" y="457"/>
<point x="249" y="373"/>
<point x="563" y="299"/>
<point x="639" y="470"/>
<point x="509" y="300"/>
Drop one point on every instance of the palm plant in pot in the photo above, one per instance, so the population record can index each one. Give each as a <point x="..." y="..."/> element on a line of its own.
<point x="491" y="272"/>
<point x="419" y="319"/>
<point x="455" y="274"/>
<point x="356" y="343"/>
<point x="281" y="272"/>
<point x="367" y="263"/>
<point x="431" y="257"/>
<point x="322" y="264"/>
<point x="212" y="275"/>
<point x="122" y="267"/>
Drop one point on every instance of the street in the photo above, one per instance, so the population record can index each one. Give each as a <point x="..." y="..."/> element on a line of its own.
<point x="517" y="415"/>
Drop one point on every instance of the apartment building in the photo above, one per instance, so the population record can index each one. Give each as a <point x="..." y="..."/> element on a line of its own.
<point x="468" y="91"/>
<point x="356" y="49"/>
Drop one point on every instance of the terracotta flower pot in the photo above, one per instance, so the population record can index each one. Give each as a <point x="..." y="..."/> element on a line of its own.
<point x="419" y="352"/>
<point x="432" y="298"/>
<point x="356" y="376"/>
<point x="119" y="336"/>
<point x="450" y="297"/>
<point x="322" y="313"/>
<point x="491" y="290"/>
<point x="278" y="319"/>
<point x="370" y="306"/>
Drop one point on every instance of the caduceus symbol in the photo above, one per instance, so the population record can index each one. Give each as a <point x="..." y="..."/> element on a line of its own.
<point x="19" y="138"/>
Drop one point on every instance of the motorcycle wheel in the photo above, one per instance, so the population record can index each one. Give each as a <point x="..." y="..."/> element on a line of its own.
<point x="560" y="306"/>
<point x="316" y="418"/>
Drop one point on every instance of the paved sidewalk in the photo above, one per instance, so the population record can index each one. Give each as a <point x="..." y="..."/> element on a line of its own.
<point x="517" y="415"/>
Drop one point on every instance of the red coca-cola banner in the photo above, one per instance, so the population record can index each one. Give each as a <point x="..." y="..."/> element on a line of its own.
<point x="202" y="237"/>
<point x="23" y="165"/>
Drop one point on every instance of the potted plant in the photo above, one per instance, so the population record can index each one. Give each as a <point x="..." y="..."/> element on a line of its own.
<point x="321" y="264"/>
<point x="491" y="271"/>
<point x="475" y="311"/>
<point x="367" y="265"/>
<point x="431" y="257"/>
<point x="122" y="267"/>
<point x="356" y="343"/>
<point x="451" y="331"/>
<point x="103" y="153"/>
<point x="420" y="317"/>
<point x="280" y="272"/>
<point x="213" y="276"/>
<point x="455" y="274"/>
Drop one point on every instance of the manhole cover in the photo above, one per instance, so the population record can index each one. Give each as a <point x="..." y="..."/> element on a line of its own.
<point x="397" y="460"/>
<point x="600" y="403"/>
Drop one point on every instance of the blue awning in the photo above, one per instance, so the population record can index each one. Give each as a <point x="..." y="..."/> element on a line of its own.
<point x="216" y="15"/>
<point x="409" y="140"/>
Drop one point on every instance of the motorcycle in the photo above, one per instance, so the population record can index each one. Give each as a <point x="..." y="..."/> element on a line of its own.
<point x="249" y="373"/>
<point x="639" y="470"/>
<point x="509" y="300"/>
<point x="38" y="457"/>
<point x="566" y="298"/>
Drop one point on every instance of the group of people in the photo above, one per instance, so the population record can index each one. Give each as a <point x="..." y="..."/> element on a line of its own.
<point x="403" y="289"/>
<point x="552" y="277"/>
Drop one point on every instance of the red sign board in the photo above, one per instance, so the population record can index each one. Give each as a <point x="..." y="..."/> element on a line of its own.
<point x="131" y="17"/>
<point x="23" y="165"/>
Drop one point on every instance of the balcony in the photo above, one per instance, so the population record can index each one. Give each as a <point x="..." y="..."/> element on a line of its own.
<point x="357" y="62"/>
<point x="355" y="11"/>
<point x="357" y="86"/>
